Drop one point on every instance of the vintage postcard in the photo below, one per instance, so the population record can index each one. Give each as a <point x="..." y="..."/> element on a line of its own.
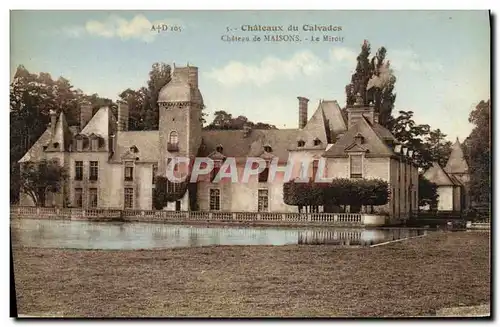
<point x="250" y="163"/>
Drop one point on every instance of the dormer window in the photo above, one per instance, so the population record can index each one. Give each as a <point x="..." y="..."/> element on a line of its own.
<point x="134" y="149"/>
<point x="317" y="142"/>
<point x="219" y="148"/>
<point x="301" y="143"/>
<point x="56" y="145"/>
<point x="95" y="144"/>
<point x="268" y="148"/>
<point x="359" y="139"/>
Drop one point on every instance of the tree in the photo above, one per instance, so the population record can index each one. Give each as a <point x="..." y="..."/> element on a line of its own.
<point x="374" y="80"/>
<point x="413" y="136"/>
<point x="439" y="149"/>
<point x="166" y="191"/>
<point x="340" y="191"/>
<point x="38" y="178"/>
<point x="427" y="193"/>
<point x="479" y="152"/>
<point x="361" y="76"/>
<point x="225" y="121"/>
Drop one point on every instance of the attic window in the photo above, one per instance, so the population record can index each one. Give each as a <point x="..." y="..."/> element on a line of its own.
<point x="359" y="139"/>
<point x="219" y="148"/>
<point x="268" y="148"/>
<point x="56" y="145"/>
<point x="44" y="147"/>
<point x="134" y="149"/>
<point x="301" y="143"/>
<point x="317" y="142"/>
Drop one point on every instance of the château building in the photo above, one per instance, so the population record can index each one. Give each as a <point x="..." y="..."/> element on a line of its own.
<point x="112" y="167"/>
<point x="452" y="181"/>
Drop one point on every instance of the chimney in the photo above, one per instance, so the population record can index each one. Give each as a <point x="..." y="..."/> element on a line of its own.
<point x="85" y="114"/>
<point x="302" y="111"/>
<point x="122" y="117"/>
<point x="53" y="119"/>
<point x="356" y="113"/>
<point x="187" y="74"/>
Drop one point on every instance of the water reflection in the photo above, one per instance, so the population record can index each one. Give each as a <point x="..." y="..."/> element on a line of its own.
<point x="101" y="235"/>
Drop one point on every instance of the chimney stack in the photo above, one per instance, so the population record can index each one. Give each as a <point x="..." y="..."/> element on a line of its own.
<point x="53" y="119"/>
<point x="302" y="111"/>
<point x="85" y="114"/>
<point x="187" y="74"/>
<point x="122" y="117"/>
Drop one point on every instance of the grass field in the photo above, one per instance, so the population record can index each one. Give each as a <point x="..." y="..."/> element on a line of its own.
<point x="409" y="278"/>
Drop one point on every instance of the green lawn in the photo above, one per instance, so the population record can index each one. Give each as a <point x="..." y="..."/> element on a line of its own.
<point x="409" y="278"/>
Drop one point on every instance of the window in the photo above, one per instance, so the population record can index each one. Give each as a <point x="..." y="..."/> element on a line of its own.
<point x="263" y="198"/>
<point x="174" y="138"/>
<point x="268" y="149"/>
<point x="95" y="144"/>
<point x="129" y="198"/>
<point x="78" y="198"/>
<point x="79" y="145"/>
<point x="356" y="166"/>
<point x="155" y="172"/>
<point x="78" y="170"/>
<point x="215" y="171"/>
<point x="317" y="142"/>
<point x="214" y="199"/>
<point x="129" y="171"/>
<point x="301" y="143"/>
<point x="94" y="170"/>
<point x="264" y="175"/>
<point x="92" y="198"/>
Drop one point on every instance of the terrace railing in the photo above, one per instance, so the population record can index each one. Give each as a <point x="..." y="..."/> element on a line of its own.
<point x="179" y="216"/>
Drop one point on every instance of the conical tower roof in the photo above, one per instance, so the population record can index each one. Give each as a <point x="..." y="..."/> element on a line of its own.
<point x="456" y="163"/>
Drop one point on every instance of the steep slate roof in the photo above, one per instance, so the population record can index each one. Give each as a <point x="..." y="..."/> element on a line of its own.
<point x="456" y="163"/>
<point x="100" y="123"/>
<point x="147" y="142"/>
<point x="438" y="176"/>
<point x="334" y="118"/>
<point x="36" y="152"/>
<point x="373" y="142"/>
<point x="236" y="144"/>
<point x="62" y="135"/>
<point x="316" y="128"/>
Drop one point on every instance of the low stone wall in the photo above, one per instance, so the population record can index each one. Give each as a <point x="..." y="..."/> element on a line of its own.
<point x="161" y="216"/>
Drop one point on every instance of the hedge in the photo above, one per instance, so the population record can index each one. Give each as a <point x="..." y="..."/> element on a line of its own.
<point x="340" y="191"/>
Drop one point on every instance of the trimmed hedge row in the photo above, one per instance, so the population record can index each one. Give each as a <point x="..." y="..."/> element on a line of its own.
<point x="341" y="191"/>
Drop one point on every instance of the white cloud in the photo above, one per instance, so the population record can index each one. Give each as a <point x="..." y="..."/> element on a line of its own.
<point x="343" y="54"/>
<point x="139" y="27"/>
<point x="408" y="59"/>
<point x="269" y="69"/>
<point x="302" y="63"/>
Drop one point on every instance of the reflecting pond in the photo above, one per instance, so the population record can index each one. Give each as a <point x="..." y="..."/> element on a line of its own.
<point x="133" y="236"/>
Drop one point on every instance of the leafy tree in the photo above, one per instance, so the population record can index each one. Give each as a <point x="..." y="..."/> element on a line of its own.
<point x="439" y="149"/>
<point x="374" y="80"/>
<point x="225" y="121"/>
<point x="340" y="191"/>
<point x="38" y="178"/>
<point x="361" y="76"/>
<point x="427" y="193"/>
<point x="166" y="191"/>
<point x="413" y="136"/>
<point x="479" y="153"/>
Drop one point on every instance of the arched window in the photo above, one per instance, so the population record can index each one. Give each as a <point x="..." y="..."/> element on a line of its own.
<point x="301" y="143"/>
<point x="174" y="138"/>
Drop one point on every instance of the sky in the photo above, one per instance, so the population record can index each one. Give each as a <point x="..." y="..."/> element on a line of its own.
<point x="441" y="59"/>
